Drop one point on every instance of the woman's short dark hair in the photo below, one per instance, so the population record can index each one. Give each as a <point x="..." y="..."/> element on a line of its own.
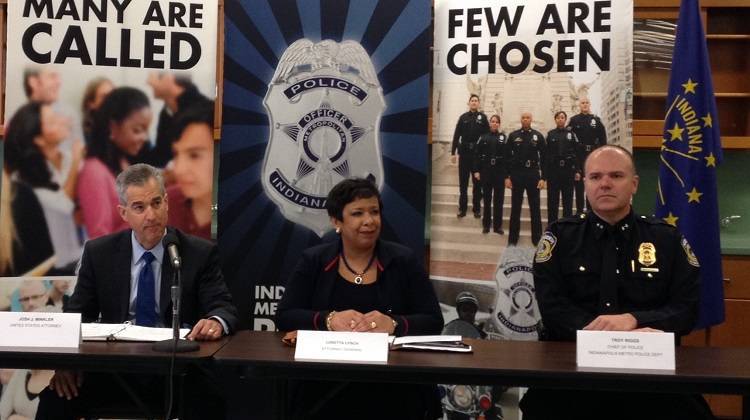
<point x="116" y="107"/>
<point x="22" y="155"/>
<point x="347" y="191"/>
<point x="560" y="112"/>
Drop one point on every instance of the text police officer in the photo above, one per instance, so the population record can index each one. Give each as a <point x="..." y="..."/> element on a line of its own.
<point x="470" y="126"/>
<point x="526" y="147"/>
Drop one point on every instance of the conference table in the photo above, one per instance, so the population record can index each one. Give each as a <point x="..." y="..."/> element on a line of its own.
<point x="511" y="363"/>
<point x="105" y="356"/>
<point x="115" y="357"/>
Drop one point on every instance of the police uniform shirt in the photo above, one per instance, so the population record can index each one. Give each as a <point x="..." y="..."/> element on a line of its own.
<point x="562" y="150"/>
<point x="589" y="130"/>
<point x="490" y="153"/>
<point x="470" y="126"/>
<point x="655" y="272"/>
<point x="526" y="149"/>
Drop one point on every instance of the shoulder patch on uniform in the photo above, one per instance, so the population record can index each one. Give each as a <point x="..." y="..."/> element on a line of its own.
<point x="691" y="258"/>
<point x="545" y="247"/>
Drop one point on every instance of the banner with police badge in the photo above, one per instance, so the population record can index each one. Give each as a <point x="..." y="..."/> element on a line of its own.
<point x="315" y="93"/>
<point x="524" y="69"/>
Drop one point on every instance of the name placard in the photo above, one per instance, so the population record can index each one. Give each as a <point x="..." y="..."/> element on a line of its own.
<point x="625" y="350"/>
<point x="40" y="329"/>
<point x="336" y="346"/>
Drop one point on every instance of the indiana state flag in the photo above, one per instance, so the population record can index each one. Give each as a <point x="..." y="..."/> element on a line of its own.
<point x="690" y="151"/>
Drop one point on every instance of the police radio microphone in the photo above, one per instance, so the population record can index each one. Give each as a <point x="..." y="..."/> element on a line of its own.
<point x="171" y="242"/>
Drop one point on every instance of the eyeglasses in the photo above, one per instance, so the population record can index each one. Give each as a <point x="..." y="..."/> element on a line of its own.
<point x="139" y="207"/>
<point x="24" y="299"/>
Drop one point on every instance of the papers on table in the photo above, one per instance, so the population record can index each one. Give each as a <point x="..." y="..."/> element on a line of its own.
<point x="431" y="342"/>
<point x="126" y="332"/>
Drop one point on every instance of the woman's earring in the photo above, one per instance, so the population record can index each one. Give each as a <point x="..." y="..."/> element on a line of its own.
<point x="338" y="230"/>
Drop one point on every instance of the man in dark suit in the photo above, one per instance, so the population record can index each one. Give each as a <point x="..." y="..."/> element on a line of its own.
<point x="122" y="278"/>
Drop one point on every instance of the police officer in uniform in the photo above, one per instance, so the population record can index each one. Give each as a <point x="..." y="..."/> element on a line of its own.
<point x="591" y="135"/>
<point x="491" y="170"/>
<point x="470" y="126"/>
<point x="609" y="269"/>
<point x="562" y="167"/>
<point x="526" y="148"/>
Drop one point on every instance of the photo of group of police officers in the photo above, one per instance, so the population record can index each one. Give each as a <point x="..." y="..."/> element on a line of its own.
<point x="525" y="161"/>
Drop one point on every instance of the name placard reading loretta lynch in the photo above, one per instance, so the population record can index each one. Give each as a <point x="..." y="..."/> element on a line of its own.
<point x="343" y="347"/>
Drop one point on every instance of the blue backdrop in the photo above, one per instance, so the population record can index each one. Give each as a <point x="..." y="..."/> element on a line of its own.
<point x="259" y="246"/>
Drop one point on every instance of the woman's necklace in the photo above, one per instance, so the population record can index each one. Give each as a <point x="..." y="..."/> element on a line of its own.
<point x="358" y="277"/>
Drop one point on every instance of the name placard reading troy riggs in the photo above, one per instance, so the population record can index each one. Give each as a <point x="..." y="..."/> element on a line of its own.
<point x="625" y="350"/>
<point x="40" y="329"/>
<point x="337" y="346"/>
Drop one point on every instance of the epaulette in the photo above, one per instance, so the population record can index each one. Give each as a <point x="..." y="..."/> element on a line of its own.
<point x="651" y="220"/>
<point x="573" y="220"/>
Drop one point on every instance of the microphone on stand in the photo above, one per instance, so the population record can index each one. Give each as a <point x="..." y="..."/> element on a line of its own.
<point x="175" y="344"/>
<point x="170" y="242"/>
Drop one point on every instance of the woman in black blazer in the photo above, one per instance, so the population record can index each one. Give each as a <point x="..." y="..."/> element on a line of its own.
<point x="360" y="283"/>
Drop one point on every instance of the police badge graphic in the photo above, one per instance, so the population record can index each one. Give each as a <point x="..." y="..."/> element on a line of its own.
<point x="324" y="107"/>
<point x="516" y="315"/>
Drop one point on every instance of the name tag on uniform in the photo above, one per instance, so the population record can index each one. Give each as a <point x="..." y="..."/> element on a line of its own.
<point x="40" y="329"/>
<point x="338" y="346"/>
<point x="625" y="350"/>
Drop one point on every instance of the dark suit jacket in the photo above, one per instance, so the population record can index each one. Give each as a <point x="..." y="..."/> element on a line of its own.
<point x="404" y="291"/>
<point x="103" y="285"/>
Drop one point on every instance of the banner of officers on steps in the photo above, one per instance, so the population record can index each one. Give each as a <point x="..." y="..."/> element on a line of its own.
<point x="525" y="161"/>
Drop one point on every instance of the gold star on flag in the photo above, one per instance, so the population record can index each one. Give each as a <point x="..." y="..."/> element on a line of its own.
<point x="707" y="121"/>
<point x="671" y="219"/>
<point x="710" y="160"/>
<point x="676" y="132"/>
<point x="694" y="196"/>
<point x="689" y="86"/>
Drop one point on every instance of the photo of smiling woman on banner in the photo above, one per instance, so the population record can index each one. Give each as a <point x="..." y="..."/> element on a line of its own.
<point x="81" y="102"/>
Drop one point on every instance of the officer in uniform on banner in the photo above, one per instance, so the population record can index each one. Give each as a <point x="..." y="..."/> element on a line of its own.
<point x="562" y="169"/>
<point x="491" y="169"/>
<point x="526" y="148"/>
<point x="591" y="134"/>
<point x="470" y="126"/>
<point x="608" y="269"/>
